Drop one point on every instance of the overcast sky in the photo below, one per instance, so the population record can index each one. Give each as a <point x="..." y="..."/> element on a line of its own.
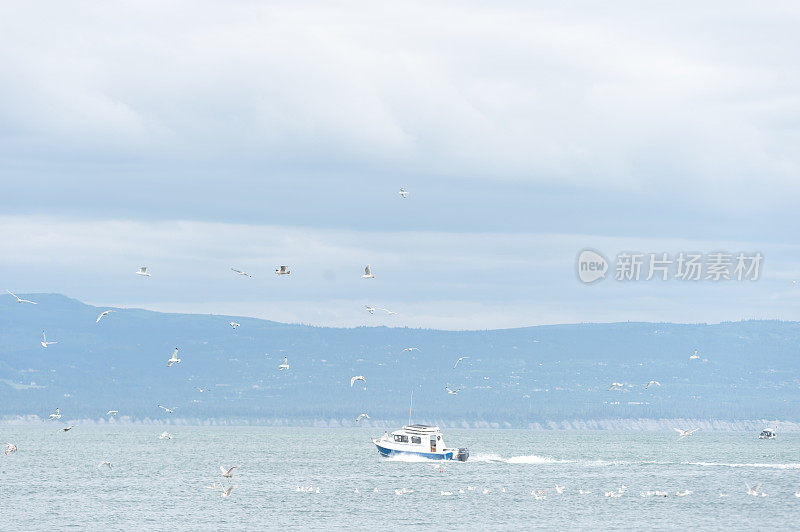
<point x="192" y="137"/>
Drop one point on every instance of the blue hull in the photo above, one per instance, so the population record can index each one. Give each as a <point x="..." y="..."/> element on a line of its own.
<point x="431" y="456"/>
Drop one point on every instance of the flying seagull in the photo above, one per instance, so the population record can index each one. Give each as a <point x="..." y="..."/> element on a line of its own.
<point x="752" y="490"/>
<point x="201" y="390"/>
<point x="233" y="325"/>
<point x="371" y="310"/>
<point x="19" y="299"/>
<point x="104" y="463"/>
<point x="228" y="473"/>
<point x="174" y="358"/>
<point x="452" y="392"/>
<point x="102" y="315"/>
<point x="367" y="273"/>
<point x="56" y="414"/>
<point x="357" y="378"/>
<point x="694" y="356"/>
<point x="361" y="416"/>
<point x="10" y="448"/>
<point x="65" y="429"/>
<point x="459" y="360"/>
<point x="684" y="433"/>
<point x="283" y="270"/>
<point x="652" y="383"/>
<point x="409" y="349"/>
<point x="227" y="492"/>
<point x="404" y="193"/>
<point x="112" y="412"/>
<point x="615" y="385"/>
<point x="240" y="272"/>
<point x="44" y="341"/>
<point x="285" y="364"/>
<point x="387" y="311"/>
<point x="143" y="272"/>
<point x="167" y="410"/>
<point x="165" y="436"/>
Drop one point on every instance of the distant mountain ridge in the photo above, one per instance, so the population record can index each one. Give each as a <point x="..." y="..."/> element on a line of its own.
<point x="518" y="377"/>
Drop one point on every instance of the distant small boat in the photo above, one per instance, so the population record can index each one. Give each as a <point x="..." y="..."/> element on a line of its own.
<point x="424" y="441"/>
<point x="767" y="434"/>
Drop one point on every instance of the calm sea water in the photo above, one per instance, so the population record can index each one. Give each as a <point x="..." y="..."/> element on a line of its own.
<point x="54" y="482"/>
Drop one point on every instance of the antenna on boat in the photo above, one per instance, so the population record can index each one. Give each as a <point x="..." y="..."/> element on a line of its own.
<point x="410" y="407"/>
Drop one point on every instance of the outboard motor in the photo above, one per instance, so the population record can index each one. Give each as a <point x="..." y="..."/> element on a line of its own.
<point x="463" y="454"/>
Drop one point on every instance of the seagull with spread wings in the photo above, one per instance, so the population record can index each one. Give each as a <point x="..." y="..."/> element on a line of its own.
<point x="228" y="473"/>
<point x="685" y="433"/>
<point x="458" y="361"/>
<point x="173" y="359"/>
<point x="367" y="273"/>
<point x="102" y="315"/>
<point x="44" y="341"/>
<point x="19" y="299"/>
<point x="240" y="272"/>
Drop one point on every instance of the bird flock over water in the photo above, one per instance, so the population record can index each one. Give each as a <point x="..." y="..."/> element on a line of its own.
<point x="228" y="473"/>
<point x="541" y="494"/>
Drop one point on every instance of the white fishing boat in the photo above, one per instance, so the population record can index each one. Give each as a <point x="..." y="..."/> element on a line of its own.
<point x="767" y="434"/>
<point x="424" y="441"/>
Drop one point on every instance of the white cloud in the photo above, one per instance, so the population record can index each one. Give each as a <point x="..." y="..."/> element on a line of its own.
<point x="450" y="280"/>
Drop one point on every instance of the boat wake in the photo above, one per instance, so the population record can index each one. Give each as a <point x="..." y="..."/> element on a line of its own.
<point x="407" y="458"/>
<point x="768" y="466"/>
<point x="536" y="459"/>
<point x="527" y="459"/>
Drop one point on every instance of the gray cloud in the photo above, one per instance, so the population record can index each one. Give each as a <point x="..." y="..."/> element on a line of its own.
<point x="280" y="133"/>
<point x="622" y="98"/>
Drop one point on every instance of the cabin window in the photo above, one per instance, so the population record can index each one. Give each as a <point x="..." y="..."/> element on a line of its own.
<point x="400" y="438"/>
<point x="416" y="439"/>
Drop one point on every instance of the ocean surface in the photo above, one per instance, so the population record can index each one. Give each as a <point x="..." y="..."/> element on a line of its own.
<point x="54" y="482"/>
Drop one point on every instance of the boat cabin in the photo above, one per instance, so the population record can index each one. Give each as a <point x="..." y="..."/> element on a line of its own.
<point x="421" y="438"/>
<point x="767" y="434"/>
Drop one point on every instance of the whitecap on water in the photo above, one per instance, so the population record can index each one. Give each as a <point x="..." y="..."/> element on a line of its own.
<point x="526" y="459"/>
<point x="769" y="466"/>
